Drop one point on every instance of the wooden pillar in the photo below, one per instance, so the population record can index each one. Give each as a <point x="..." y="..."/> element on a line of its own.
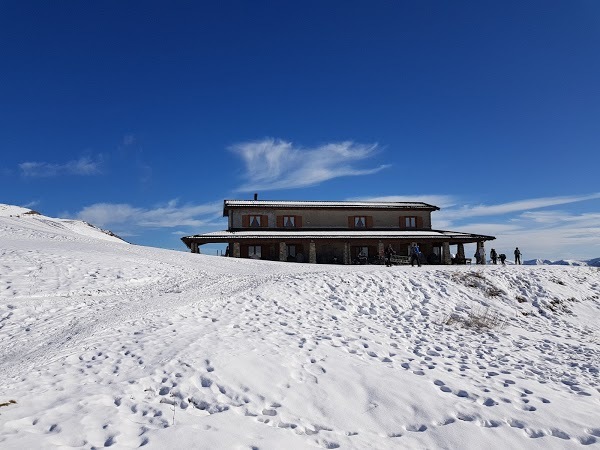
<point x="312" y="253"/>
<point x="282" y="252"/>
<point x="236" y="250"/>
<point x="346" y="253"/>
<point x="446" y="253"/>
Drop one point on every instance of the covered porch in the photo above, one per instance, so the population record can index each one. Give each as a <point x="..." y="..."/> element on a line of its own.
<point x="341" y="247"/>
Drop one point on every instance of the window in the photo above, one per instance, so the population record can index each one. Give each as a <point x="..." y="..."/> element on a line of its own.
<point x="360" y="221"/>
<point x="254" y="251"/>
<point x="255" y="221"/>
<point x="289" y="221"/>
<point x="291" y="251"/>
<point x="410" y="222"/>
<point x="364" y="251"/>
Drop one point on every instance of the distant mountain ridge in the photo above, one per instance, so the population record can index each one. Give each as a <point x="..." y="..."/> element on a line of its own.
<point x="595" y="262"/>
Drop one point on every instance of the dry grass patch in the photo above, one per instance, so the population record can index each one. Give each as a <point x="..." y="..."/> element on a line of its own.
<point x="477" y="280"/>
<point x="482" y="319"/>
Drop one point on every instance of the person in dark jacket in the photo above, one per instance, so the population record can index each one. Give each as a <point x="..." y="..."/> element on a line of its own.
<point x="517" y="256"/>
<point x="389" y="251"/>
<point x="502" y="258"/>
<point x="494" y="256"/>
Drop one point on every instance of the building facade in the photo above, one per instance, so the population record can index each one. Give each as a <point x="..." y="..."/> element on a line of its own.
<point x="330" y="232"/>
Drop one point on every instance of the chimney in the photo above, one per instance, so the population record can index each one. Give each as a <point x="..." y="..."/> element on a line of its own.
<point x="255" y="196"/>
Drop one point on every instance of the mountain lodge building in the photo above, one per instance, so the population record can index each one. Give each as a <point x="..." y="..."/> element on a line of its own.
<point x="331" y="232"/>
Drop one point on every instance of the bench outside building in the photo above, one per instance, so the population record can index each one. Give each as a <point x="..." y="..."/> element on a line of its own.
<point x="331" y="232"/>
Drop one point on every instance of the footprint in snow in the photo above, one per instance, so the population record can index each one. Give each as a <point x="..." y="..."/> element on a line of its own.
<point x="534" y="434"/>
<point x="487" y="423"/>
<point x="515" y="423"/>
<point x="587" y="440"/>
<point x="559" y="434"/>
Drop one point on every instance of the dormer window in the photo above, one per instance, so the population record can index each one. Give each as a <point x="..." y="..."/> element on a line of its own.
<point x="410" y="222"/>
<point x="289" y="221"/>
<point x="360" y="222"/>
<point x="255" y="221"/>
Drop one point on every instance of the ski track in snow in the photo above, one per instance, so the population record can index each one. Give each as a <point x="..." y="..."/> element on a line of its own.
<point x="106" y="344"/>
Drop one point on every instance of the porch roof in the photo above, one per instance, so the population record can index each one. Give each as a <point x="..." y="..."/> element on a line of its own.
<point x="453" y="237"/>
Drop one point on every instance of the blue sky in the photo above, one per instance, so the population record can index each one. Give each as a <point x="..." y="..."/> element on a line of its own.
<point x="141" y="117"/>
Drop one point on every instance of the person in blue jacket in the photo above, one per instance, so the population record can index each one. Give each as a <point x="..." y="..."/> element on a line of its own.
<point x="415" y="254"/>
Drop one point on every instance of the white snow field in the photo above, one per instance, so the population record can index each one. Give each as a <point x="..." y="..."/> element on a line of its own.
<point x="107" y="344"/>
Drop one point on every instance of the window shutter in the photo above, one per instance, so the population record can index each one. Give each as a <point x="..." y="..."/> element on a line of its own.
<point x="245" y="221"/>
<point x="244" y="251"/>
<point x="298" y="221"/>
<point x="419" y="222"/>
<point x="264" y="221"/>
<point x="279" y="221"/>
<point x="369" y="220"/>
<point x="402" y="222"/>
<point x="350" y="221"/>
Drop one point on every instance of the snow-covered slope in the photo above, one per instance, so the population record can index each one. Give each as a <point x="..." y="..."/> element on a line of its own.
<point x="111" y="345"/>
<point x="15" y="220"/>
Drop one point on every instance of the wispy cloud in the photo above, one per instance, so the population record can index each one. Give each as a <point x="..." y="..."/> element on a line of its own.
<point x="31" y="204"/>
<point x="179" y="233"/>
<point x="162" y="216"/>
<point x="512" y="207"/>
<point x="277" y="164"/>
<point x="82" y="166"/>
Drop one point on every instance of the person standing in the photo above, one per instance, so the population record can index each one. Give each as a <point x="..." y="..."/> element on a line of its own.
<point x="517" y="256"/>
<point x="494" y="256"/>
<point x="415" y="254"/>
<point x="389" y="251"/>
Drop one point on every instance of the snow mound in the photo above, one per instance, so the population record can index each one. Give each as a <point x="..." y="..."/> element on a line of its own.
<point x="11" y="210"/>
<point x="23" y="222"/>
